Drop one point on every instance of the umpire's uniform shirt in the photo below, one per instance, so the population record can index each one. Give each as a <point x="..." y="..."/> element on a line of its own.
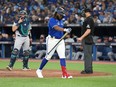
<point x="87" y="43"/>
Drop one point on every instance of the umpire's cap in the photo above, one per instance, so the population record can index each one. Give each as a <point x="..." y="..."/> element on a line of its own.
<point x="22" y="12"/>
<point x="87" y="10"/>
<point x="60" y="11"/>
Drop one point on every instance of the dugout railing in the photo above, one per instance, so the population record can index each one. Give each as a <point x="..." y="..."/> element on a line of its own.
<point x="2" y="43"/>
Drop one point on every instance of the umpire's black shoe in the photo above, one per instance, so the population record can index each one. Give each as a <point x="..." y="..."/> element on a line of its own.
<point x="86" y="72"/>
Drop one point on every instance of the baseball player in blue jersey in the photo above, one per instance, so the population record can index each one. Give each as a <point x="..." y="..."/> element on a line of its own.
<point x="22" y="29"/>
<point x="55" y="33"/>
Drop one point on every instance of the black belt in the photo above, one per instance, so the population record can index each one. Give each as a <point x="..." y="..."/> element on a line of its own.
<point x="21" y="36"/>
<point x="54" y="37"/>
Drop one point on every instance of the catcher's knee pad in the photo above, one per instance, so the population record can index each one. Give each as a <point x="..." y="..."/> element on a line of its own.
<point x="26" y="53"/>
<point x="14" y="53"/>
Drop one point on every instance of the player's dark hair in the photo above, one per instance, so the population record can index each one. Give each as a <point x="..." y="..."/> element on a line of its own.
<point x="55" y="15"/>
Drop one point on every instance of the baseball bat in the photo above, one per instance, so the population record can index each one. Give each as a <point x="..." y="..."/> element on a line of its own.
<point x="58" y="42"/>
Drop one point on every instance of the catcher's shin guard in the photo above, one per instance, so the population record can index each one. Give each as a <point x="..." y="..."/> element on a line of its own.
<point x="11" y="64"/>
<point x="12" y="61"/>
<point x="14" y="55"/>
<point x="25" y="62"/>
<point x="25" y="58"/>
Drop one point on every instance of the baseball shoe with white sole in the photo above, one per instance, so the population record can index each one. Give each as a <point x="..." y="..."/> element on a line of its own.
<point x="9" y="68"/>
<point x="39" y="73"/>
<point x="64" y="76"/>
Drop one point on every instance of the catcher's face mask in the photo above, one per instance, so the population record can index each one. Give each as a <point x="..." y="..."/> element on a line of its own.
<point x="22" y="14"/>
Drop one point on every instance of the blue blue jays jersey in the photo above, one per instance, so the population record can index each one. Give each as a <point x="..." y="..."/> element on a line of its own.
<point x="52" y="32"/>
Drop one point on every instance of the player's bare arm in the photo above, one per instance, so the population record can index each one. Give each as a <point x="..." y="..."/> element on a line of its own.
<point x="88" y="31"/>
<point x="68" y="30"/>
<point x="15" y="27"/>
<point x="58" y="28"/>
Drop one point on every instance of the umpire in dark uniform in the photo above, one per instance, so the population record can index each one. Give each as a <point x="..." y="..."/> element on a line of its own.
<point x="87" y="41"/>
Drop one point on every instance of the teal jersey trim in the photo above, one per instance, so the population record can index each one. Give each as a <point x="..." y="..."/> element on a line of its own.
<point x="24" y="30"/>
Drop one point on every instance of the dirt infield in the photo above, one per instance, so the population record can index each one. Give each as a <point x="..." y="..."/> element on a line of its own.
<point x="50" y="73"/>
<point x="46" y="73"/>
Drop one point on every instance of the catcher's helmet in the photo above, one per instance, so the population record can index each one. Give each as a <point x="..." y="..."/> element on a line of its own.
<point x="23" y="12"/>
<point x="60" y="11"/>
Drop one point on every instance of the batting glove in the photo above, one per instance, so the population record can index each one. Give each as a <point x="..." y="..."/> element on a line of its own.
<point x="67" y="30"/>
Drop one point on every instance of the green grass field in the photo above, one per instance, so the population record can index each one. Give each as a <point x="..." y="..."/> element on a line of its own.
<point x="95" y="81"/>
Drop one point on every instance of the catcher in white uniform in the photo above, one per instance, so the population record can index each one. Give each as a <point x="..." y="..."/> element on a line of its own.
<point x="22" y="29"/>
<point x="56" y="31"/>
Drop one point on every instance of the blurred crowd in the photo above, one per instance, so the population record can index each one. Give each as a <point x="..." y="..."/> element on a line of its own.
<point x="39" y="11"/>
<point x="106" y="51"/>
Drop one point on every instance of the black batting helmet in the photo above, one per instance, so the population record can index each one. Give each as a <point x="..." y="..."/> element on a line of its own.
<point x="60" y="11"/>
<point x="87" y="10"/>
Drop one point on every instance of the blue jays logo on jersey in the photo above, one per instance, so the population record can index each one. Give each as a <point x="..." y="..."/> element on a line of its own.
<point x="60" y="23"/>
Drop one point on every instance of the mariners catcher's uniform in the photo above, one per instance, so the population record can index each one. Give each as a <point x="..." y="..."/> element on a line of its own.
<point x="22" y="40"/>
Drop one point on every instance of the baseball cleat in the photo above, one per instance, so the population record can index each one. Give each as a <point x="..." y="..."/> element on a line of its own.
<point x="26" y="68"/>
<point x="9" y="68"/>
<point x="86" y="72"/>
<point x="39" y="73"/>
<point x="67" y="76"/>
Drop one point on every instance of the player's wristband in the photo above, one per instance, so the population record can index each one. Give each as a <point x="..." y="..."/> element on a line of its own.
<point x="17" y="24"/>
